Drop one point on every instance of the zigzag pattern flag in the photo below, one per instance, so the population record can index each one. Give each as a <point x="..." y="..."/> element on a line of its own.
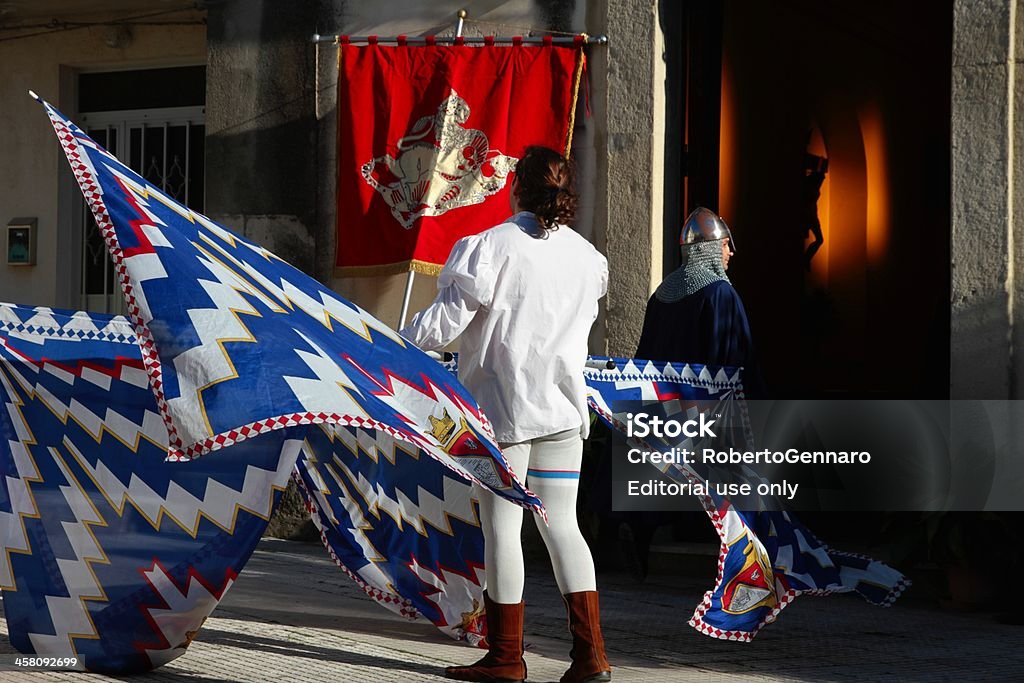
<point x="111" y="553"/>
<point x="236" y="342"/>
<point x="119" y="539"/>
<point x="407" y="533"/>
<point x="767" y="557"/>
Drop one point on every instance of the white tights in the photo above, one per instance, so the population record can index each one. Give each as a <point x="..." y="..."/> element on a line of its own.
<point x="552" y="465"/>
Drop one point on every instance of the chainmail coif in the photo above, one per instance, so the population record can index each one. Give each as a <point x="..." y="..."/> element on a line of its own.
<point x="702" y="265"/>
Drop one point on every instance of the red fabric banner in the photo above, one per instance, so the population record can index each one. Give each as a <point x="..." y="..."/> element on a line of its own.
<point x="427" y="138"/>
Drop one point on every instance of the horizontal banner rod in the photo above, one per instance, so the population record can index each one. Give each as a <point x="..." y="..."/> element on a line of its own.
<point x="467" y="40"/>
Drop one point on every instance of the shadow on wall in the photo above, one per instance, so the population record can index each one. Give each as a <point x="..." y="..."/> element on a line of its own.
<point x="261" y="146"/>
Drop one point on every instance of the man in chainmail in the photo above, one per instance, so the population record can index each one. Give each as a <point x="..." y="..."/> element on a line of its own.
<point x="703" y="264"/>
<point x="695" y="316"/>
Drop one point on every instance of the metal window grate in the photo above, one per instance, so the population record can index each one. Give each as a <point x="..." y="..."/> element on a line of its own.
<point x="164" y="146"/>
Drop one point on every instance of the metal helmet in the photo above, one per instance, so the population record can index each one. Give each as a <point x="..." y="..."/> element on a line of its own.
<point x="703" y="225"/>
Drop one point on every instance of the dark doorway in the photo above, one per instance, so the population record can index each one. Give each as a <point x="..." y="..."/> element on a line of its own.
<point x="843" y="264"/>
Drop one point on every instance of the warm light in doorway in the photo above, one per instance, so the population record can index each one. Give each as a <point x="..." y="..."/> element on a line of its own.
<point x="876" y="168"/>
<point x="727" y="146"/>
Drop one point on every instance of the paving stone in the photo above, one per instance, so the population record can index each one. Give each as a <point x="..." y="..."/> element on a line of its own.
<point x="292" y="617"/>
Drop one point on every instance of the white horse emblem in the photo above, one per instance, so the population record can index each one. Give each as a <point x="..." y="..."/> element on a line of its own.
<point x="440" y="166"/>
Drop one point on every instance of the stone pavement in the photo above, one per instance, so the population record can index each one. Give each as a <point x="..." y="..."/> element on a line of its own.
<point x="293" y="617"/>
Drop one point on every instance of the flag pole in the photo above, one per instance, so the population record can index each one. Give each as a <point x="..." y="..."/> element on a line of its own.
<point x="461" y="14"/>
<point x="463" y="40"/>
<point x="408" y="295"/>
<point x="411" y="277"/>
<point x="459" y="39"/>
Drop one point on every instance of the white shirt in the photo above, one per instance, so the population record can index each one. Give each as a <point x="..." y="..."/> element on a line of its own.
<point x="524" y="300"/>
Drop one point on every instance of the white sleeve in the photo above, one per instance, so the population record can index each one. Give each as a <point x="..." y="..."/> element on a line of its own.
<point x="465" y="285"/>
<point x="604" y="275"/>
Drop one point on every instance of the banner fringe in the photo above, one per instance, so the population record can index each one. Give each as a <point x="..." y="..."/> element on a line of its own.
<point x="581" y="59"/>
<point x="416" y="266"/>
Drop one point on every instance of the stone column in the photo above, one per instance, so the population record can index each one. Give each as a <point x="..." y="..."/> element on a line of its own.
<point x="987" y="308"/>
<point x="631" y="99"/>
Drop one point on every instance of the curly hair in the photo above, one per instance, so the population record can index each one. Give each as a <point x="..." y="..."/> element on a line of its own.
<point x="545" y="186"/>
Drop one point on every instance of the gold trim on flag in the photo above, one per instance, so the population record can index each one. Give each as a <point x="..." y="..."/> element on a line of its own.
<point x="423" y="267"/>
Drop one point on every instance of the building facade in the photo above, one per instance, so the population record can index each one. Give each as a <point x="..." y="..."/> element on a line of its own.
<point x="910" y="293"/>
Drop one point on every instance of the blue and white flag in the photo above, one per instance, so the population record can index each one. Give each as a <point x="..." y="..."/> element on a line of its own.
<point x="114" y="555"/>
<point x="767" y="557"/>
<point x="121" y="539"/>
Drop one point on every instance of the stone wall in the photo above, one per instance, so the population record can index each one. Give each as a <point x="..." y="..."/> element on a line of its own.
<point x="630" y="99"/>
<point x="987" y="307"/>
<point x="263" y="155"/>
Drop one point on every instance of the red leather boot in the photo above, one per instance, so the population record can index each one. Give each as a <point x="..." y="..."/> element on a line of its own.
<point x="589" y="664"/>
<point x="504" y="661"/>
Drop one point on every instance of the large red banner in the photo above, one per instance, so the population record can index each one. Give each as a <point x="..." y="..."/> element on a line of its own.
<point x="427" y="138"/>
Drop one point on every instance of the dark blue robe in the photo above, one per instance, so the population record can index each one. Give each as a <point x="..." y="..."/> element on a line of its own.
<point x="708" y="327"/>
